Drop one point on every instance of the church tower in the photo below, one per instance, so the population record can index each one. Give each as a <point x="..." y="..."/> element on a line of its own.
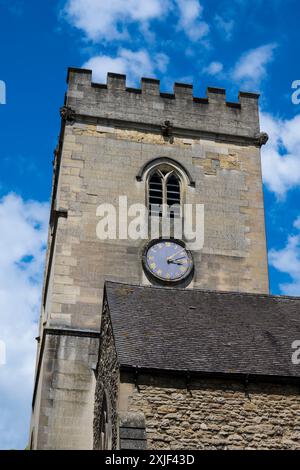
<point x="148" y="148"/>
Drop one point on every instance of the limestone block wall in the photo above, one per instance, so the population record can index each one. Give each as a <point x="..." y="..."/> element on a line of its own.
<point x="99" y="164"/>
<point x="216" y="414"/>
<point x="64" y="395"/>
<point x="108" y="133"/>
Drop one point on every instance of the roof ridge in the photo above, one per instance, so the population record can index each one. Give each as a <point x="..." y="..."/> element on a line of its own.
<point x="208" y="291"/>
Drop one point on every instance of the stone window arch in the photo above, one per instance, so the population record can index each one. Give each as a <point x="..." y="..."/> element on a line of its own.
<point x="166" y="181"/>
<point x="165" y="189"/>
<point x="105" y="428"/>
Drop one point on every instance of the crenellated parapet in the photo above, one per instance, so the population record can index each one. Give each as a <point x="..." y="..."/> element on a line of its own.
<point x="148" y="108"/>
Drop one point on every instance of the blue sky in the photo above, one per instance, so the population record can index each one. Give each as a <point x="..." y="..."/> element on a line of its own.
<point x="236" y="44"/>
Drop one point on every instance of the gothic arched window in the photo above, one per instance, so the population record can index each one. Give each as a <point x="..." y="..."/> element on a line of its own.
<point x="173" y="189"/>
<point x="105" y="440"/>
<point x="164" y="192"/>
<point x="155" y="193"/>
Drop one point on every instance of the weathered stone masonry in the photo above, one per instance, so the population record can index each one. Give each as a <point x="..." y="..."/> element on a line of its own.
<point x="201" y="370"/>
<point x="108" y="369"/>
<point x="108" y="133"/>
<point x="218" y="414"/>
<point x="111" y="133"/>
<point x="65" y="395"/>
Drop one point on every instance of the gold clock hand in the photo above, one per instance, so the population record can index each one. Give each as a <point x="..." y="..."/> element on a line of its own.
<point x="174" y="260"/>
<point x="175" y="254"/>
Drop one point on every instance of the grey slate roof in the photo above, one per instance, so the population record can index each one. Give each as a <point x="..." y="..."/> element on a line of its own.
<point x="204" y="331"/>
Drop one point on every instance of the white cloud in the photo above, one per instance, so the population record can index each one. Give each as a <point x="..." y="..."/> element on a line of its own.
<point x="214" y="68"/>
<point x="281" y="155"/>
<point x="251" y="68"/>
<point x="224" y="26"/>
<point x="107" y="20"/>
<point x="297" y="223"/>
<point x="287" y="260"/>
<point x="132" y="63"/>
<point x="102" y="20"/>
<point x="22" y="248"/>
<point x="190" y="19"/>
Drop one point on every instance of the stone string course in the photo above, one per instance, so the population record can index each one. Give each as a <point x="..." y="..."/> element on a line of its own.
<point x="220" y="416"/>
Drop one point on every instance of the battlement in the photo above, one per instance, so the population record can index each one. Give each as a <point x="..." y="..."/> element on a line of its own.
<point x="147" y="105"/>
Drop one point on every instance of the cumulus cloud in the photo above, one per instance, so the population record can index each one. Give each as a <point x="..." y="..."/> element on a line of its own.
<point x="22" y="248"/>
<point x="224" y="26"/>
<point x="103" y="20"/>
<point x="107" y="20"/>
<point x="281" y="155"/>
<point x="132" y="63"/>
<point x="251" y="68"/>
<point x="214" y="68"/>
<point x="287" y="260"/>
<point x="190" y="19"/>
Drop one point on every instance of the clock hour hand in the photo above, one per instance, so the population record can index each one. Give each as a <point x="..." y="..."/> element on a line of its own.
<point x="175" y="260"/>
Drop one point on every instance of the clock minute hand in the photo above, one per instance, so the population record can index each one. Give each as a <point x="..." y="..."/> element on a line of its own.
<point x="175" y="254"/>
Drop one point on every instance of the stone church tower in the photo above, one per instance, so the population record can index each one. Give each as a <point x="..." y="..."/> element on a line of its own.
<point x="150" y="147"/>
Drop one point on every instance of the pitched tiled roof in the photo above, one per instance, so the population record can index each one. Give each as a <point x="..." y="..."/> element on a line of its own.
<point x="204" y="331"/>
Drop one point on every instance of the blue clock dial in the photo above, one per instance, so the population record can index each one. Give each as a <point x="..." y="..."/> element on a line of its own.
<point x="168" y="260"/>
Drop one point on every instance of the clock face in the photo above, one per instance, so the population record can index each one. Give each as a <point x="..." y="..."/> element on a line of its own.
<point x="167" y="261"/>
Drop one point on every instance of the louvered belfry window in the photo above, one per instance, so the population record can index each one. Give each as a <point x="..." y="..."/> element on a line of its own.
<point x="173" y="195"/>
<point x="156" y="193"/>
<point x="164" y="193"/>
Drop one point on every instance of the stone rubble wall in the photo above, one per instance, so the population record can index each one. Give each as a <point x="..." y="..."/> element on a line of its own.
<point x="107" y="383"/>
<point x="216" y="415"/>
